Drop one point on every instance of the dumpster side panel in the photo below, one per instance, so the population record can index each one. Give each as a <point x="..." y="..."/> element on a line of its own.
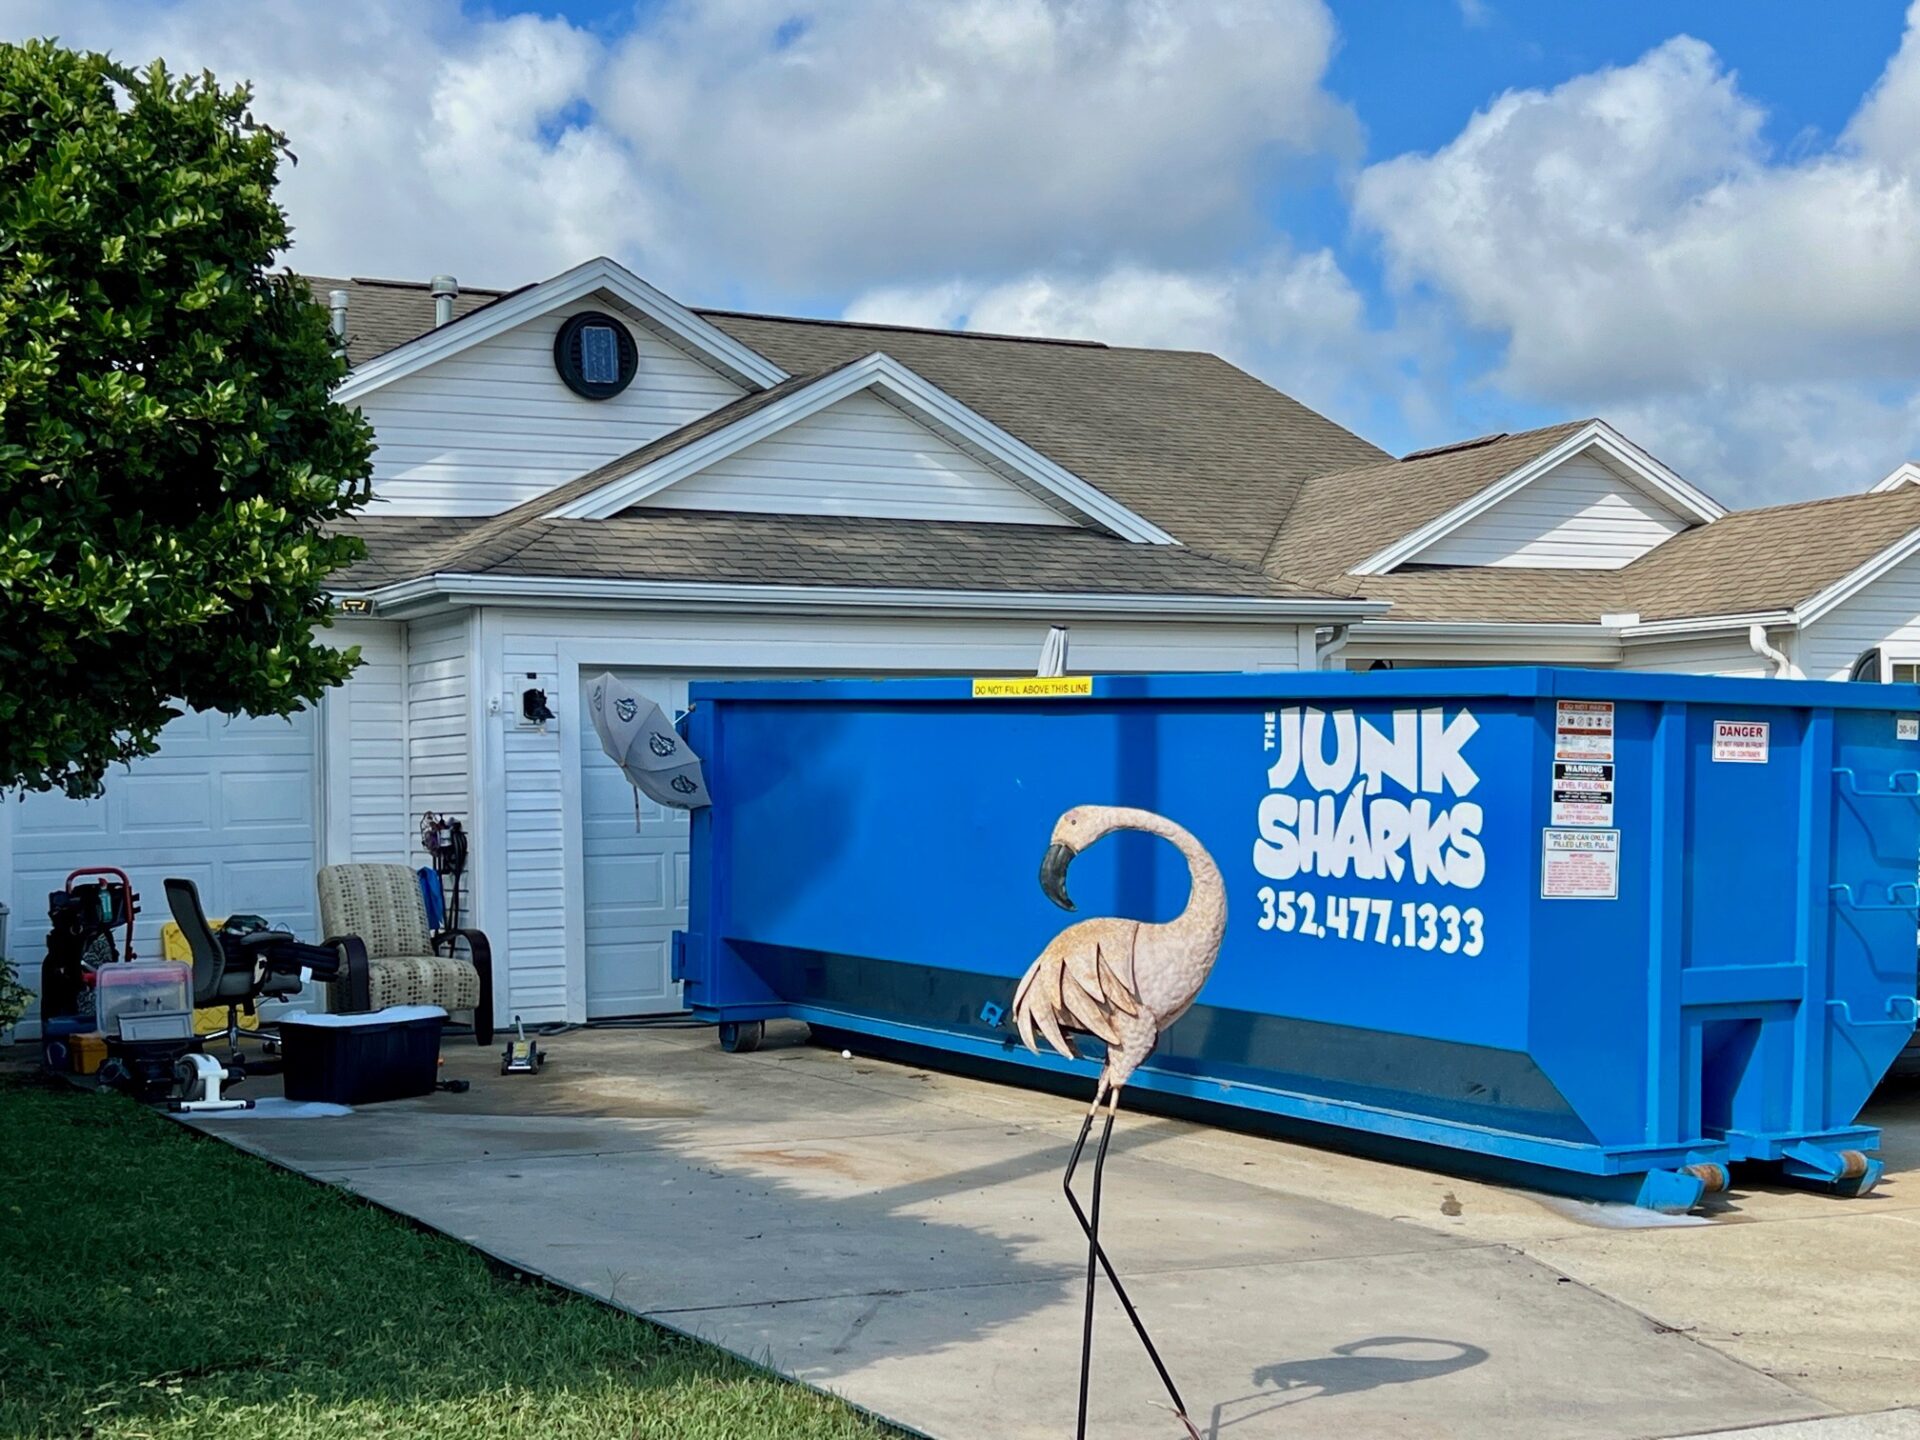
<point x="1608" y="925"/>
<point x="883" y="858"/>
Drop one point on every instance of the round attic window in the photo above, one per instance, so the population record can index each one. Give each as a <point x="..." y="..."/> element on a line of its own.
<point x="595" y="355"/>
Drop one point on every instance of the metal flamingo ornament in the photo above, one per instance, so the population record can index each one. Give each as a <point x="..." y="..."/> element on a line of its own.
<point x="1126" y="982"/>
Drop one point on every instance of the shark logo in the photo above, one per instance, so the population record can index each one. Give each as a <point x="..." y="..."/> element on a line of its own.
<point x="661" y="744"/>
<point x="625" y="707"/>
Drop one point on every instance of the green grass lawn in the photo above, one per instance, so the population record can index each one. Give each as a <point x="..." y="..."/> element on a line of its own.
<point x="154" y="1283"/>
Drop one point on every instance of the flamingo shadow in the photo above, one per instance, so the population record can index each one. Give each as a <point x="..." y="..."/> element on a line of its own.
<point x="1347" y="1370"/>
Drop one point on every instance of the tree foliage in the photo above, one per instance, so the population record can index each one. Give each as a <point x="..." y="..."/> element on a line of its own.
<point x="169" y="454"/>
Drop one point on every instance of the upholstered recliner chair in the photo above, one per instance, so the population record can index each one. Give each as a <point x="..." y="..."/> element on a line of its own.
<point x="374" y="916"/>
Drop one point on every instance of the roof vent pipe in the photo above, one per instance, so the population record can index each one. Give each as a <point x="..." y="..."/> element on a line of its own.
<point x="1757" y="639"/>
<point x="337" y="303"/>
<point x="444" y="288"/>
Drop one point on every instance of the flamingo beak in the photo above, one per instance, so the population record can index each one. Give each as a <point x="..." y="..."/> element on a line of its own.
<point x="1053" y="874"/>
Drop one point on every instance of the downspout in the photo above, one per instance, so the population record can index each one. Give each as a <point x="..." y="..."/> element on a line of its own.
<point x="1336" y="642"/>
<point x="1757" y="640"/>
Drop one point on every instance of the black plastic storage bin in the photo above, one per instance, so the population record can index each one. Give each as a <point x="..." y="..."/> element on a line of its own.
<point x="360" y="1059"/>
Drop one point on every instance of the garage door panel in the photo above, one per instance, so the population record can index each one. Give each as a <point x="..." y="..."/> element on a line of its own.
<point x="47" y="818"/>
<point x="280" y="889"/>
<point x="150" y="804"/>
<point x="226" y="804"/>
<point x="264" y="798"/>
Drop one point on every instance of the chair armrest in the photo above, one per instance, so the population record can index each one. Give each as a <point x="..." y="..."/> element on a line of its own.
<point x="472" y="946"/>
<point x="354" y="983"/>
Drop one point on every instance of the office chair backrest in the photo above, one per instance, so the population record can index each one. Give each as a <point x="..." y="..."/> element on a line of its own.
<point x="209" y="960"/>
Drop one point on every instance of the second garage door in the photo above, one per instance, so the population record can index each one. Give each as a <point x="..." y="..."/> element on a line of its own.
<point x="635" y="879"/>
<point x="227" y="802"/>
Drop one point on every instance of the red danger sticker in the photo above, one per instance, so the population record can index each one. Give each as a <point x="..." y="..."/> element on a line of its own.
<point x="1741" y="742"/>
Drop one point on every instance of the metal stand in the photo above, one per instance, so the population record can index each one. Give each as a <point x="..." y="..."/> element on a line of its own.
<point x="1097" y="1257"/>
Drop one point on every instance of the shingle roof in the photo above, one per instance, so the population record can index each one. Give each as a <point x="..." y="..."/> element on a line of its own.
<point x="1343" y="516"/>
<point x="1769" y="559"/>
<point x="1496" y="593"/>
<point x="1243" y="475"/>
<point x="384" y="313"/>
<point x="753" y="549"/>
<point x="1748" y="560"/>
<point x="1202" y="449"/>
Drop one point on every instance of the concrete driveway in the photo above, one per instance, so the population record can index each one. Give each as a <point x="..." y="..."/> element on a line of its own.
<point x="897" y="1236"/>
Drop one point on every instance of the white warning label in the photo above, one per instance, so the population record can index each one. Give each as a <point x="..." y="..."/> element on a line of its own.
<point x="1582" y="792"/>
<point x="1583" y="730"/>
<point x="1580" y="864"/>
<point x="1743" y="742"/>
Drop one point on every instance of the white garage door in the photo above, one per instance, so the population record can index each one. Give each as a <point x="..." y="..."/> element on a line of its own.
<point x="228" y="803"/>
<point x="635" y="880"/>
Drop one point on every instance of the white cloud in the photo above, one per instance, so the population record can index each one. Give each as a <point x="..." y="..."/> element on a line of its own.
<point x="1765" y="444"/>
<point x="859" y="141"/>
<point x="754" y="144"/>
<point x="428" y="141"/>
<point x="1635" y="246"/>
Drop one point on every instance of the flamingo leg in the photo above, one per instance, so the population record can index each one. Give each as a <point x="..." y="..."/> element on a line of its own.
<point x="1097" y="1256"/>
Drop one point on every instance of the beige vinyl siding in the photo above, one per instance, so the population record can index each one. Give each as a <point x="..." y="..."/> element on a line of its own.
<point x="494" y="425"/>
<point x="1886" y="613"/>
<point x="859" y="456"/>
<point x="1578" y="516"/>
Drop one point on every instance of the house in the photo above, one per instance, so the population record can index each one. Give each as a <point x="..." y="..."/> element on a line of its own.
<point x="584" y="474"/>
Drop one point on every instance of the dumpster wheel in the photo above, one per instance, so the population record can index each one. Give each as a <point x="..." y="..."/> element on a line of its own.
<point x="742" y="1037"/>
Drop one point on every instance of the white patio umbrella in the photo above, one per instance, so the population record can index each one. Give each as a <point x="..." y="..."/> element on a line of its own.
<point x="641" y="740"/>
<point x="1053" y="653"/>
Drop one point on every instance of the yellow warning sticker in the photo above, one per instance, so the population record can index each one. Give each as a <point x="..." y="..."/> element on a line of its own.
<point x="1030" y="687"/>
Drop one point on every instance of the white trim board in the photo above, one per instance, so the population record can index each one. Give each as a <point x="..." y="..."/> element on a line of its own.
<point x="1852" y="583"/>
<point x="1634" y="463"/>
<point x="919" y="398"/>
<point x="1907" y="474"/>
<point x="658" y="311"/>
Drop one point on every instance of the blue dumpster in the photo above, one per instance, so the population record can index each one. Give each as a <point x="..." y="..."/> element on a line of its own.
<point x="1602" y="933"/>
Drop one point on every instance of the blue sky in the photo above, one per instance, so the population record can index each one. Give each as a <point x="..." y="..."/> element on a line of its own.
<point x="1428" y="218"/>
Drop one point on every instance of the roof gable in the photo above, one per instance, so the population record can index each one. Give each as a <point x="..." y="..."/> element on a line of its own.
<point x="600" y="277"/>
<point x="732" y="430"/>
<point x="1579" y="514"/>
<point x="1345" y="515"/>
<point x="1200" y="449"/>
<point x="1594" y="437"/>
<point x="861" y="455"/>
<point x="1908" y="473"/>
<point x="1794" y="562"/>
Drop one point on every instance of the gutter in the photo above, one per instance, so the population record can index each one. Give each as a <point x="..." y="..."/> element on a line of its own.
<point x="1706" y="624"/>
<point x="432" y="591"/>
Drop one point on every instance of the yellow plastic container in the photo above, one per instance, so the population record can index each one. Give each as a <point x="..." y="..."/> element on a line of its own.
<point x="89" y="1053"/>
<point x="173" y="946"/>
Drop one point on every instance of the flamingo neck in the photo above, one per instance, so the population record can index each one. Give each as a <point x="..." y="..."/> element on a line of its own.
<point x="1206" y="908"/>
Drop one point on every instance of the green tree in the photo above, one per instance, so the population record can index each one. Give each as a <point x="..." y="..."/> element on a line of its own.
<point x="169" y="454"/>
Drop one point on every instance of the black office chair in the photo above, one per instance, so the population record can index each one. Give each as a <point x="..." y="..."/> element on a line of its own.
<point x="234" y="969"/>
